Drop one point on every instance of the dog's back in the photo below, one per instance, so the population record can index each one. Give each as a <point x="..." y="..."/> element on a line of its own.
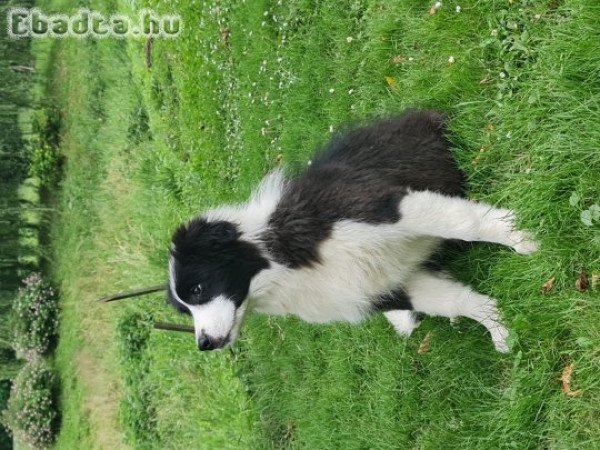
<point x="362" y="176"/>
<point x="409" y="151"/>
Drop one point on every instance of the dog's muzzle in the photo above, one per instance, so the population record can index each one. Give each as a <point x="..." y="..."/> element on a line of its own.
<point x="209" y="343"/>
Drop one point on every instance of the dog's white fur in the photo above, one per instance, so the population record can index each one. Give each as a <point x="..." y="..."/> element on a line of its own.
<point x="360" y="261"/>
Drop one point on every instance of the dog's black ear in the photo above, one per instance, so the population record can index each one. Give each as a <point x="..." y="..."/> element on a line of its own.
<point x="223" y="231"/>
<point x="199" y="237"/>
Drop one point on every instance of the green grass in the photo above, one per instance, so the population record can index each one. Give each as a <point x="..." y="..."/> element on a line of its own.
<point x="148" y="148"/>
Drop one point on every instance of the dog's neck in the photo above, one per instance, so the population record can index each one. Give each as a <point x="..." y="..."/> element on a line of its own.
<point x="264" y="281"/>
<point x="252" y="218"/>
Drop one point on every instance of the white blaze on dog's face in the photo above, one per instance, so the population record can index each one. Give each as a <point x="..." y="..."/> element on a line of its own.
<point x="210" y="270"/>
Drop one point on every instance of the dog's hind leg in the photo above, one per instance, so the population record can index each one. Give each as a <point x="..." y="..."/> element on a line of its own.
<point x="397" y="309"/>
<point x="403" y="321"/>
<point x="429" y="213"/>
<point x="438" y="295"/>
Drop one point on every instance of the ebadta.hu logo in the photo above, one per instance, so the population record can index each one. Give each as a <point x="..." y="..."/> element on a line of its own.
<point x="23" y="23"/>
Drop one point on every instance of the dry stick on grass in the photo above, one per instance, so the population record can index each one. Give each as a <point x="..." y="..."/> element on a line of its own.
<point x="135" y="293"/>
<point x="148" y="52"/>
<point x="173" y="327"/>
<point x="144" y="291"/>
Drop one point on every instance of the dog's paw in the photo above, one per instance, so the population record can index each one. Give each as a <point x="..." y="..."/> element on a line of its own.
<point x="500" y="339"/>
<point x="404" y="322"/>
<point x="523" y="242"/>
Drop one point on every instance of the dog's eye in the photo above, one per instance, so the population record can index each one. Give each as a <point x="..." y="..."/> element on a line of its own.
<point x="196" y="290"/>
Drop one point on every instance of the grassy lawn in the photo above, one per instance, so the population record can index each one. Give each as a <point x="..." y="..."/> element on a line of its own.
<point x="250" y="84"/>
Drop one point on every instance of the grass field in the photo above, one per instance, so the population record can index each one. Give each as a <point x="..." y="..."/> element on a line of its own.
<point x="250" y="84"/>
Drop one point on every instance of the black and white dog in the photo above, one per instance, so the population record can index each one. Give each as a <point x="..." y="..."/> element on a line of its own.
<point x="347" y="238"/>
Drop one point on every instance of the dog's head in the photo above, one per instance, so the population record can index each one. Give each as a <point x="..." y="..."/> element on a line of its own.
<point x="210" y="270"/>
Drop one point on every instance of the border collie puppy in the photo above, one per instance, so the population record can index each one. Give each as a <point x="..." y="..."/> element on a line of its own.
<point x="347" y="238"/>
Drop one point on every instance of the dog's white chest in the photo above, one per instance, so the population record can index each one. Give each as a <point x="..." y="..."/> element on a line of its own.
<point x="359" y="262"/>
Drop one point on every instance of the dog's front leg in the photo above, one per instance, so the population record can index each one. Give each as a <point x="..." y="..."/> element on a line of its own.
<point x="429" y="213"/>
<point x="436" y="294"/>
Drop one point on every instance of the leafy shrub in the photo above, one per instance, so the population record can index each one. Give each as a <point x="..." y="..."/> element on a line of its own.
<point x="46" y="124"/>
<point x="138" y="412"/>
<point x="133" y="332"/>
<point x="32" y="407"/>
<point x="45" y="162"/>
<point x="35" y="323"/>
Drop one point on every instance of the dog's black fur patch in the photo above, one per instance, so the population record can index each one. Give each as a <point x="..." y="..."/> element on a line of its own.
<point x="397" y="299"/>
<point x="175" y="304"/>
<point x="210" y="254"/>
<point x="362" y="176"/>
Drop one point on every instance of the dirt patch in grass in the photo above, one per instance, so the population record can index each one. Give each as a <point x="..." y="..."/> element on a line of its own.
<point x="101" y="405"/>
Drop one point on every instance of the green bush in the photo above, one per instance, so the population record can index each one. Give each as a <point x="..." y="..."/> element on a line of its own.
<point x="45" y="162"/>
<point x="46" y="124"/>
<point x="35" y="313"/>
<point x="133" y="332"/>
<point x="137" y="412"/>
<point x="32" y="413"/>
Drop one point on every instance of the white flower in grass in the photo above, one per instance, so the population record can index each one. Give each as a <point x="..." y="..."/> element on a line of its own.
<point x="331" y="91"/>
<point x="349" y="39"/>
<point x="458" y="8"/>
<point x="451" y="60"/>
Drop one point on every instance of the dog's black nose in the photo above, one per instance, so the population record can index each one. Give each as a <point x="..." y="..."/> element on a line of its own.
<point x="206" y="343"/>
<point x="210" y="343"/>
